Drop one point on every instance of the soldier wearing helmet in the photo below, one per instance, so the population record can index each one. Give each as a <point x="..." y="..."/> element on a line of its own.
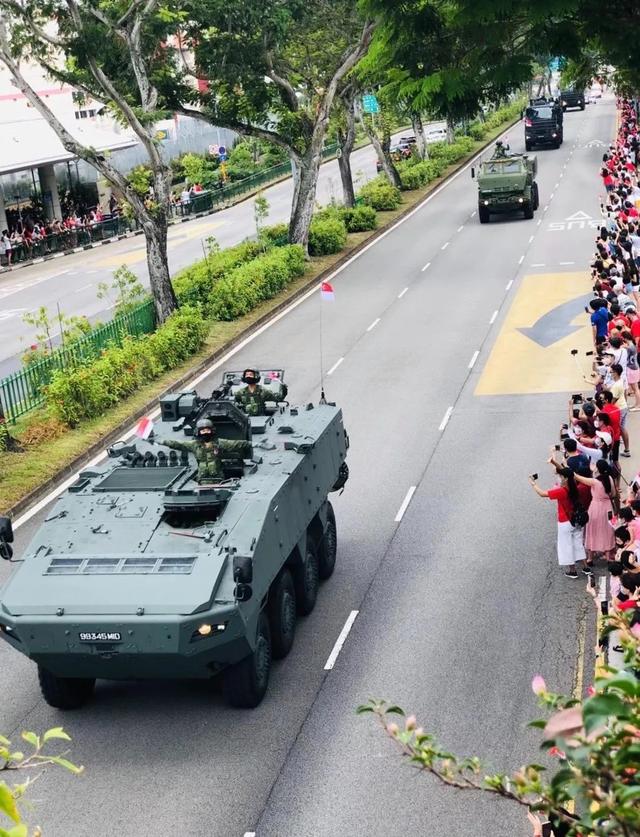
<point x="253" y="398"/>
<point x="209" y="450"/>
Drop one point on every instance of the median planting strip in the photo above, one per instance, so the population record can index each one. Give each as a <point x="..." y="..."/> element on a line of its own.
<point x="53" y="452"/>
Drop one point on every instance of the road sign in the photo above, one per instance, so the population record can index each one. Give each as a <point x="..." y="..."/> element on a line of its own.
<point x="162" y="135"/>
<point x="532" y="352"/>
<point x="214" y="150"/>
<point x="370" y="104"/>
<point x="222" y="150"/>
<point x="222" y="157"/>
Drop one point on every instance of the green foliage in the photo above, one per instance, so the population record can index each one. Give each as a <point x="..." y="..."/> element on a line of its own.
<point x="12" y="823"/>
<point x="327" y="235"/>
<point x="71" y="328"/>
<point x="380" y="194"/>
<point x="275" y="233"/>
<point x="250" y="284"/>
<point x="129" y="292"/>
<point x="595" y="744"/>
<point x="194" y="284"/>
<point x="196" y="168"/>
<point x="91" y="388"/>
<point x="360" y="218"/>
<point x="140" y="178"/>
<point x="241" y="163"/>
<point x="260" y="211"/>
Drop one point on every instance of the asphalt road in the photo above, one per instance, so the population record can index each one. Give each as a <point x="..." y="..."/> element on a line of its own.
<point x="460" y="602"/>
<point x="72" y="282"/>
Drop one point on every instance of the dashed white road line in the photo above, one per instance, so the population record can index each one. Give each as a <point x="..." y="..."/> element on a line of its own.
<point x="337" y="648"/>
<point x="531" y="237"/>
<point x="445" y="420"/>
<point x="539" y="221"/>
<point x="556" y="186"/>
<point x="445" y="245"/>
<point x="402" y="293"/>
<point x="335" y="366"/>
<point x="566" y="263"/>
<point x="473" y="214"/>
<point x="538" y="264"/>
<point x="249" y="834"/>
<point x="508" y="285"/>
<point x="494" y="317"/>
<point x="551" y="196"/>
<point x="461" y="227"/>
<point x="426" y="267"/>
<point x="374" y="324"/>
<point x="546" y="207"/>
<point x="405" y="504"/>
<point x="521" y="259"/>
<point x="475" y="357"/>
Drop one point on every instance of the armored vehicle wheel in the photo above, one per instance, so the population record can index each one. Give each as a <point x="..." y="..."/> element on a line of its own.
<point x="528" y="210"/>
<point x="484" y="214"/>
<point x="65" y="692"/>
<point x="307" y="581"/>
<point x="536" y="196"/>
<point x="282" y="614"/>
<point x="528" y="146"/>
<point x="328" y="546"/>
<point x="245" y="683"/>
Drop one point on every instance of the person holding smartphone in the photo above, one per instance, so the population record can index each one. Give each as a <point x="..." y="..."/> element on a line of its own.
<point x="598" y="534"/>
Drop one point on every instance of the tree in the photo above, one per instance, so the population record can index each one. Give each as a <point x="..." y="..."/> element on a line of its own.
<point x="596" y="743"/>
<point x="108" y="50"/>
<point x="345" y="127"/>
<point x="382" y="145"/>
<point x="273" y="70"/>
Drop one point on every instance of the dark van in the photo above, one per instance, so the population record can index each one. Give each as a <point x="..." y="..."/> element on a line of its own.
<point x="542" y="126"/>
<point x="572" y="99"/>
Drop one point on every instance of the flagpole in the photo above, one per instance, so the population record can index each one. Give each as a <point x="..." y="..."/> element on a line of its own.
<point x="323" y="400"/>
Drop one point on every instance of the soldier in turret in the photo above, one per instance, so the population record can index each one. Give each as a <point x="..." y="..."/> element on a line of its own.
<point x="209" y="450"/>
<point x="253" y="397"/>
<point x="500" y="150"/>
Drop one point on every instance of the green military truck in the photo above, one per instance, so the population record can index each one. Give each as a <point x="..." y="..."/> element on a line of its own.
<point x="506" y="183"/>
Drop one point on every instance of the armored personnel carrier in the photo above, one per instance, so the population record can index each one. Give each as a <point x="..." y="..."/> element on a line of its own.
<point x="506" y="183"/>
<point x="141" y="571"/>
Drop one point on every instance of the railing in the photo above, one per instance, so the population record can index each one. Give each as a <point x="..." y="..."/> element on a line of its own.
<point x="24" y="390"/>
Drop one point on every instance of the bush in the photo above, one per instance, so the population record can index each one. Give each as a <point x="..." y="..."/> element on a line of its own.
<point x="380" y="194"/>
<point x="327" y="235"/>
<point x="465" y="143"/>
<point x="250" y="284"/>
<point x="241" y="163"/>
<point x="360" y="218"/>
<point x="477" y="131"/>
<point x="413" y="177"/>
<point x="194" y="284"/>
<point x="274" y="233"/>
<point x="91" y="388"/>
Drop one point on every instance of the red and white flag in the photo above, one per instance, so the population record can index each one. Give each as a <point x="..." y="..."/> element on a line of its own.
<point x="144" y="428"/>
<point x="326" y="291"/>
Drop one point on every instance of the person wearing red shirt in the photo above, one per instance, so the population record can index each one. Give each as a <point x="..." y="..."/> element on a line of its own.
<point x="570" y="497"/>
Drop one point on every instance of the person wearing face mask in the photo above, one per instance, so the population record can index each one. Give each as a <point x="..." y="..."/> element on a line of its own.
<point x="253" y="397"/>
<point x="598" y="534"/>
<point x="208" y="450"/>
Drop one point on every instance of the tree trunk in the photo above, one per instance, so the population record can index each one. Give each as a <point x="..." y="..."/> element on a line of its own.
<point x="383" y="154"/>
<point x="418" y="130"/>
<point x="164" y="298"/>
<point x="346" y="141"/>
<point x="451" y="131"/>
<point x="305" y="181"/>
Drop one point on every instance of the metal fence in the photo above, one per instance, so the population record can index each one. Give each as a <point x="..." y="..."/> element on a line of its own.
<point x="24" y="390"/>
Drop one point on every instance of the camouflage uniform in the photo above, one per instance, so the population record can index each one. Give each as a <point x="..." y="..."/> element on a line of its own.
<point x="254" y="403"/>
<point x="209" y="455"/>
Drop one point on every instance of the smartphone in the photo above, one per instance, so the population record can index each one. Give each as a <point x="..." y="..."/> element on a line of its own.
<point x="592" y="581"/>
<point x="588" y="354"/>
<point x="586" y="310"/>
<point x="576" y="413"/>
<point x="610" y="515"/>
<point x="574" y="351"/>
<point x="565" y="426"/>
<point x="547" y="831"/>
<point x="534" y="477"/>
<point x="635" y="487"/>
<point x="556" y="447"/>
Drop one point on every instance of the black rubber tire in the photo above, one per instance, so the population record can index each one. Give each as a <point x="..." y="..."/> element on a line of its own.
<point x="307" y="581"/>
<point x="582" y="106"/>
<point x="65" y="692"/>
<point x="564" y="109"/>
<point x="527" y="146"/>
<point x="484" y="215"/>
<point x="536" y="196"/>
<point x="246" y="683"/>
<point x="328" y="547"/>
<point x="556" y="144"/>
<point x="528" y="211"/>
<point x="281" y="611"/>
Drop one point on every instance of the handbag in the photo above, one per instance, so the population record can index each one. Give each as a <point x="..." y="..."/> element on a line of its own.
<point x="579" y="517"/>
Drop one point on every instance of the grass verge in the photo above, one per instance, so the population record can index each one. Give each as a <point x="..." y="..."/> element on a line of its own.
<point x="51" y="450"/>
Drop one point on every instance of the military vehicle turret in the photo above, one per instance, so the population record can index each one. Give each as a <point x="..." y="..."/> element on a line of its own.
<point x="506" y="183"/>
<point x="141" y="571"/>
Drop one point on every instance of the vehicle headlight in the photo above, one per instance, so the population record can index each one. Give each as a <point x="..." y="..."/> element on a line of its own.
<point x="563" y="102"/>
<point x="554" y="135"/>
<point x="520" y="200"/>
<point x="208" y="630"/>
<point x="486" y="203"/>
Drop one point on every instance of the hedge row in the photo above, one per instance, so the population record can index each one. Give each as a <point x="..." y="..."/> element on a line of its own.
<point x="90" y="389"/>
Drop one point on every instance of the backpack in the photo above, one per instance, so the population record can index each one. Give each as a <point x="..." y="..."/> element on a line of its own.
<point x="579" y="517"/>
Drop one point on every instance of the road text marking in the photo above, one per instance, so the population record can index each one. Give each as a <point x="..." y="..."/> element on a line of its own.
<point x="335" y="366"/>
<point x="405" y="504"/>
<point x="344" y="633"/>
<point x="445" y="420"/>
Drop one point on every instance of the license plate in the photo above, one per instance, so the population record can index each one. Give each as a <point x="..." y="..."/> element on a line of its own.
<point x="100" y="636"/>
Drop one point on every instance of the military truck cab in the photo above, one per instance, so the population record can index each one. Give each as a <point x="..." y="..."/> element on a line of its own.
<point x="543" y="125"/>
<point x="142" y="572"/>
<point x="572" y="99"/>
<point x="507" y="184"/>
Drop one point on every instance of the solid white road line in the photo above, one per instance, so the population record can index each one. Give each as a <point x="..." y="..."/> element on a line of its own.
<point x="20" y="521"/>
<point x="335" y="366"/>
<point x="473" y="359"/>
<point x="402" y="293"/>
<point x="494" y="316"/>
<point x="445" y="245"/>
<point x="344" y="633"/>
<point x="428" y="265"/>
<point x="445" y="420"/>
<point x="461" y="227"/>
<point x="508" y="285"/>
<point x="405" y="504"/>
<point x="374" y="324"/>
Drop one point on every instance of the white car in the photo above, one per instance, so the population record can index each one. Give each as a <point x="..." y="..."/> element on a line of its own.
<point x="436" y="134"/>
